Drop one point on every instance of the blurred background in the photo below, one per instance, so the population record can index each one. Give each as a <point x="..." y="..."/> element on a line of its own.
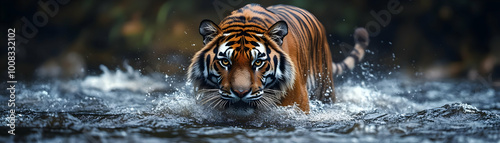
<point x="426" y="40"/>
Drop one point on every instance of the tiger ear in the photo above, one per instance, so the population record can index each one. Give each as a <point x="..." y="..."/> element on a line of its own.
<point x="208" y="30"/>
<point x="278" y="31"/>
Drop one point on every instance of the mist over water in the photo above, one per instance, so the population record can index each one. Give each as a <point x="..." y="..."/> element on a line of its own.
<point x="120" y="105"/>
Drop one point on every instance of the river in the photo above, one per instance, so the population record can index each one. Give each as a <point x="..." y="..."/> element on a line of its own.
<point x="124" y="105"/>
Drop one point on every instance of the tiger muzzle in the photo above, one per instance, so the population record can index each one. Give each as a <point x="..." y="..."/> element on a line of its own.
<point x="240" y="83"/>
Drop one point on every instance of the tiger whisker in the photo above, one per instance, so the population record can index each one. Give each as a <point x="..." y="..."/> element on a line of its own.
<point x="211" y="98"/>
<point x="219" y="103"/>
<point x="213" y="103"/>
<point x="268" y="103"/>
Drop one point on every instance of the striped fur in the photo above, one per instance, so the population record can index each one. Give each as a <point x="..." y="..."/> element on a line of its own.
<point x="258" y="58"/>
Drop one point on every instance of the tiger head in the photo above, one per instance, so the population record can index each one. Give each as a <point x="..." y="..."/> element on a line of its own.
<point x="242" y="66"/>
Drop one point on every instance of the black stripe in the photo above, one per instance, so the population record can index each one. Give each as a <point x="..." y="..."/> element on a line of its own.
<point x="292" y="25"/>
<point x="257" y="37"/>
<point x="303" y="25"/>
<point x="344" y="66"/>
<point x="209" y="79"/>
<point x="216" y="50"/>
<point x="268" y="67"/>
<point x="312" y="22"/>
<point x="244" y="33"/>
<point x="215" y="68"/>
<point x="275" y="61"/>
<point x="244" y="26"/>
<point x="263" y="13"/>
<point x="259" y="21"/>
<point x="239" y="30"/>
<point x="222" y="54"/>
<point x="200" y="61"/>
<point x="229" y="37"/>
<point x="207" y="60"/>
<point x="235" y="18"/>
<point x="336" y="68"/>
<point x="355" y="50"/>
<point x="230" y="43"/>
<point x="272" y="84"/>
<point x="268" y="21"/>
<point x="284" y="13"/>
<point x="268" y="50"/>
<point x="283" y="63"/>
<point x="254" y="43"/>
<point x="356" y="58"/>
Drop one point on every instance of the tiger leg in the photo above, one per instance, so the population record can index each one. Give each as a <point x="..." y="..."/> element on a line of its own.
<point x="326" y="93"/>
<point x="297" y="95"/>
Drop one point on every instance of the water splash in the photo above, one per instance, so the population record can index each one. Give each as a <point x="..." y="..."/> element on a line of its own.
<point x="130" y="79"/>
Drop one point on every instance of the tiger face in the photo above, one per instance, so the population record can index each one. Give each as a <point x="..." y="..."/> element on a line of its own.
<point x="242" y="66"/>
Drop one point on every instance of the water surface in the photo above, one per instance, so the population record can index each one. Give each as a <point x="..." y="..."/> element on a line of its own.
<point x="123" y="105"/>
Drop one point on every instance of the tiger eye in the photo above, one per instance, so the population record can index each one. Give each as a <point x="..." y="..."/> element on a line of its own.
<point x="225" y="62"/>
<point x="258" y="62"/>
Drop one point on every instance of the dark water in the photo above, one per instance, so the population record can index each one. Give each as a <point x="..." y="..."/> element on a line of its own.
<point x="119" y="106"/>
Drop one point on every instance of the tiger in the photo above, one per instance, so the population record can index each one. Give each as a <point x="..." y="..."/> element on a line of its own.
<point x="259" y="58"/>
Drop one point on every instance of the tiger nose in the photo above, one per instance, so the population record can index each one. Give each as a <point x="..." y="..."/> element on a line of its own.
<point x="241" y="84"/>
<point x="240" y="92"/>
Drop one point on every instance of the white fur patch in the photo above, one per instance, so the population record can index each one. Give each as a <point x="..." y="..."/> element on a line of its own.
<point x="222" y="49"/>
<point x="258" y="49"/>
<point x="205" y="72"/>
<point x="261" y="47"/>
<point x="279" y="74"/>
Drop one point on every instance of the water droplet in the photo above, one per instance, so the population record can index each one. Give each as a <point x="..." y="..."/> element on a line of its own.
<point x="390" y="43"/>
<point x="343" y="19"/>
<point x="185" y="32"/>
<point x="193" y="45"/>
